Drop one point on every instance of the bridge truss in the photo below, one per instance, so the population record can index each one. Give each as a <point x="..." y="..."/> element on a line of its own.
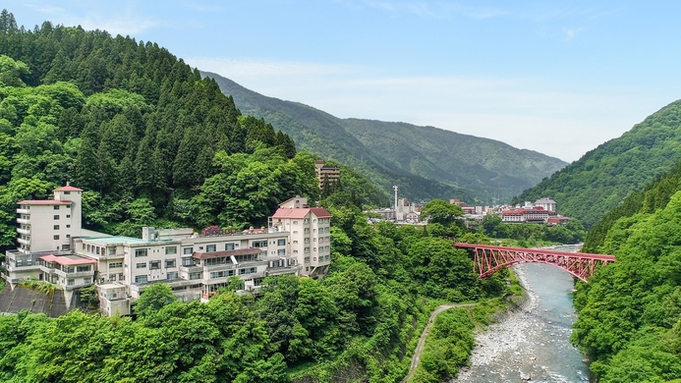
<point x="490" y="259"/>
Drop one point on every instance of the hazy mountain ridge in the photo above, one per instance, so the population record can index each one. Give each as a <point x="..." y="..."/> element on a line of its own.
<point x="603" y="177"/>
<point x="426" y="162"/>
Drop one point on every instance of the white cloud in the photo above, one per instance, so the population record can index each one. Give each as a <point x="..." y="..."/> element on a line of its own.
<point x="570" y="33"/>
<point x="123" y="20"/>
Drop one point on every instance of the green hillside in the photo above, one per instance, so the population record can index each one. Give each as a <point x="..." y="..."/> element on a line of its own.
<point x="629" y="321"/>
<point x="150" y="141"/>
<point x="425" y="162"/>
<point x="603" y="177"/>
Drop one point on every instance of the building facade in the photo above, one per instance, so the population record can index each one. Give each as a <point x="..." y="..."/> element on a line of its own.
<point x="326" y="173"/>
<point x="195" y="265"/>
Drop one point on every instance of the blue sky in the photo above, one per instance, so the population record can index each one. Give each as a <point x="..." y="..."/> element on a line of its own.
<point x="556" y="77"/>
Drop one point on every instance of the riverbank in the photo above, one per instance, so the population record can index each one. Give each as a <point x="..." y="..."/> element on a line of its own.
<point x="504" y="337"/>
<point x="532" y="340"/>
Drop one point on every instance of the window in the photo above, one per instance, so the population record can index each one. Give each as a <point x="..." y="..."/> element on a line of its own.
<point x="56" y="227"/>
<point x="295" y="222"/>
<point x="229" y="246"/>
<point x="170" y="263"/>
<point x="55" y="236"/>
<point x="141" y="265"/>
<point x="222" y="274"/>
<point x="67" y="236"/>
<point x="307" y="259"/>
<point x="115" y="265"/>
<point x="140" y="279"/>
<point x="68" y="226"/>
<point x="68" y="216"/>
<point x="210" y="248"/>
<point x="56" y="207"/>
<point x="82" y="269"/>
<point x="281" y="242"/>
<point x="307" y="249"/>
<point x="112" y="251"/>
<point x="187" y="250"/>
<point x="306" y="220"/>
<point x="248" y="270"/>
<point x="171" y="250"/>
<point x="140" y="252"/>
<point x="173" y="275"/>
<point x="154" y="265"/>
<point x="193" y="276"/>
<point x="112" y="277"/>
<point x="281" y="252"/>
<point x="67" y="192"/>
<point x="71" y="282"/>
<point x="259" y="243"/>
<point x="187" y="261"/>
<point x="56" y="216"/>
<point x="307" y="230"/>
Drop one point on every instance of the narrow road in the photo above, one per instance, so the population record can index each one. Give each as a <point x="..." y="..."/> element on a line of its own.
<point x="422" y="340"/>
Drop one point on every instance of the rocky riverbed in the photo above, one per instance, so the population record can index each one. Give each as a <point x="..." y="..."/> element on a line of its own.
<point x="532" y="342"/>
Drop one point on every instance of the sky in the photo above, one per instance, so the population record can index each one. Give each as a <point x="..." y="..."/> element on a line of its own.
<point x="559" y="78"/>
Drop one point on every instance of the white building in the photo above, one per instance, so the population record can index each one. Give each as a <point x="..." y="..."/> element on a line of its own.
<point x="309" y="232"/>
<point x="194" y="265"/>
<point x="546" y="203"/>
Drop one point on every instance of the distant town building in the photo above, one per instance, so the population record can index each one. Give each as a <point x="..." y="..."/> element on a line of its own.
<point x="326" y="173"/>
<point x="546" y="203"/>
<point x="53" y="247"/>
<point x="541" y="211"/>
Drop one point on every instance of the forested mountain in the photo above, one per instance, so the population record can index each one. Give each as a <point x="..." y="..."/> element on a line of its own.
<point x="603" y="177"/>
<point x="149" y="140"/>
<point x="152" y="143"/>
<point x="629" y="321"/>
<point x="425" y="162"/>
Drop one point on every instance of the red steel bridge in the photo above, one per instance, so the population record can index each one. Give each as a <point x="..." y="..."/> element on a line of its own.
<point x="490" y="259"/>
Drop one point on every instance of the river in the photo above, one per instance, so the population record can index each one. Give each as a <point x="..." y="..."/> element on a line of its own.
<point x="532" y="343"/>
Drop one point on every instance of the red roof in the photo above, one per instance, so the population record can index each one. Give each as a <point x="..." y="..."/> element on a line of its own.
<point x="319" y="212"/>
<point x="67" y="261"/>
<point x="68" y="188"/>
<point x="43" y="202"/>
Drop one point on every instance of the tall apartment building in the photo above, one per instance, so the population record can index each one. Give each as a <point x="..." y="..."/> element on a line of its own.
<point x="330" y="173"/>
<point x="194" y="265"/>
<point x="309" y="232"/>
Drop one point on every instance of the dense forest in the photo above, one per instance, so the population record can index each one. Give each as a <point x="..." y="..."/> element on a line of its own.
<point x="153" y="143"/>
<point x="629" y="320"/>
<point x="149" y="140"/>
<point x="603" y="177"/>
<point x="425" y="162"/>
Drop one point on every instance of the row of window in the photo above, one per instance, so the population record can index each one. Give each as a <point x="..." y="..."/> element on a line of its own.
<point x="56" y="236"/>
<point x="56" y="227"/>
<point x="56" y="216"/>
<point x="155" y="265"/>
<point x="56" y="207"/>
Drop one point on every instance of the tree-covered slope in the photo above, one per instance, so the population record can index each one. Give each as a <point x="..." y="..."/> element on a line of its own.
<point x="150" y="141"/>
<point x="479" y="164"/>
<point x="425" y="162"/>
<point x="629" y="321"/>
<point x="603" y="177"/>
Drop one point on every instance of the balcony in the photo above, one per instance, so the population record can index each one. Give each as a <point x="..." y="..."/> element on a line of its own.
<point x="24" y="241"/>
<point x="23" y="211"/>
<point x="23" y="231"/>
<point x="23" y="221"/>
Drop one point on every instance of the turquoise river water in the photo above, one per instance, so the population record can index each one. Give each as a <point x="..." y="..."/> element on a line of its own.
<point x="531" y="343"/>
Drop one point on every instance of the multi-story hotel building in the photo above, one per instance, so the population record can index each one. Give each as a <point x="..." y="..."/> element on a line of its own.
<point x="194" y="265"/>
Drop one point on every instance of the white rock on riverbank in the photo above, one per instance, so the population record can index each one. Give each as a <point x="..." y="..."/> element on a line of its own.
<point x="506" y="339"/>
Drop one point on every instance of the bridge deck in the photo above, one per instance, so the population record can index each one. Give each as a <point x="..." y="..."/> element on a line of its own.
<point x="490" y="259"/>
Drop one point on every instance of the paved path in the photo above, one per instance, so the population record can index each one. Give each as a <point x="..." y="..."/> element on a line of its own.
<point x="422" y="340"/>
